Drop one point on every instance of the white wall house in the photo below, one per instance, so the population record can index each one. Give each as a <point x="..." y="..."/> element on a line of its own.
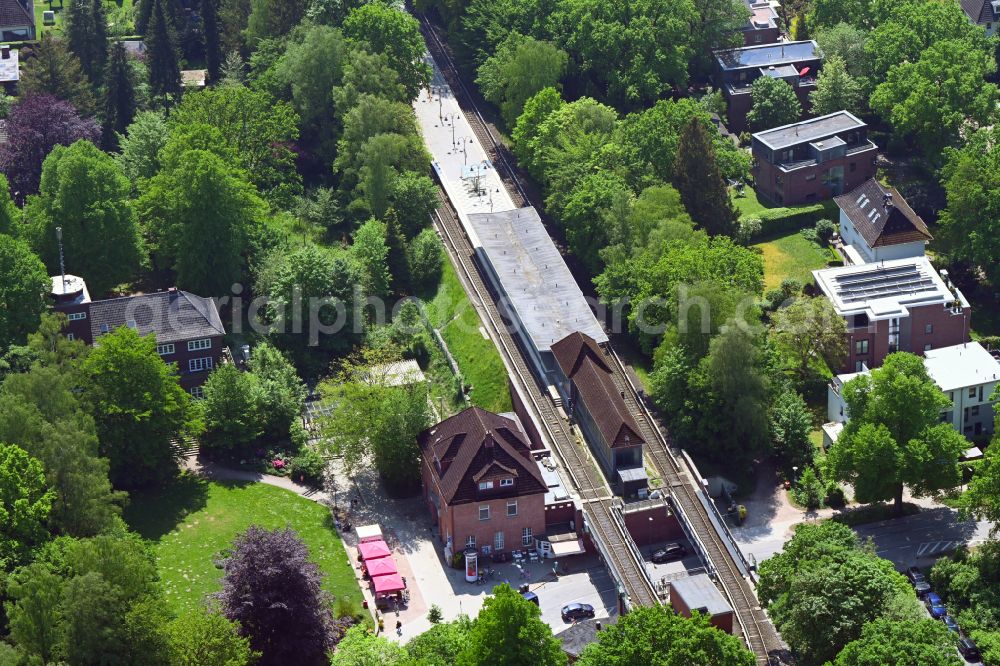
<point x="876" y="224"/>
<point x="984" y="13"/>
<point x="966" y="373"/>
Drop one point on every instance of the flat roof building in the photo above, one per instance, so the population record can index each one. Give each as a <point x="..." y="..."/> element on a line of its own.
<point x="813" y="159"/>
<point x="699" y="593"/>
<point x="762" y="25"/>
<point x="896" y="305"/>
<point x="796" y="63"/>
<point x="537" y="291"/>
<point x="967" y="374"/>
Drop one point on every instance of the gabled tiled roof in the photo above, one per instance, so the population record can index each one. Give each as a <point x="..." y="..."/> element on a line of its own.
<point x="979" y="11"/>
<point x="171" y="315"/>
<point x="13" y="13"/>
<point x="880" y="224"/>
<point x="474" y="444"/>
<point x="582" y="361"/>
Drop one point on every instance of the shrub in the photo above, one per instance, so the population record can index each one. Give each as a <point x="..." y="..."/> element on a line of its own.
<point x="809" y="490"/>
<point x="810" y="235"/>
<point x="825" y="229"/>
<point x="748" y="227"/>
<point x="434" y="615"/>
<point x="835" y="495"/>
<point x="308" y="467"/>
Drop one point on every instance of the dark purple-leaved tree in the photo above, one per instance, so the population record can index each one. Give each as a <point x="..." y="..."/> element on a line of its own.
<point x="35" y="126"/>
<point x="272" y="589"/>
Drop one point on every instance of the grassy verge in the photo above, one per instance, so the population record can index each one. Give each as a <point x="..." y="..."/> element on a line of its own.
<point x="790" y="256"/>
<point x="451" y="312"/>
<point x="191" y="521"/>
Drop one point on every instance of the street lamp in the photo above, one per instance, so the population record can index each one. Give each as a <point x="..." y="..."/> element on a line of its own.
<point x="795" y="473"/>
<point x="447" y="117"/>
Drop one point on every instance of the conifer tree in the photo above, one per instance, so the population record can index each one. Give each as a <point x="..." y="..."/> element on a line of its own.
<point x="119" y="99"/>
<point x="161" y="47"/>
<point x="396" y="259"/>
<point x="699" y="180"/>
<point x="213" y="46"/>
<point x="87" y="34"/>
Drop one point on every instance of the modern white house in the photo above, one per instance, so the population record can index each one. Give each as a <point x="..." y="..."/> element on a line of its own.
<point x="966" y="373"/>
<point x="876" y="224"/>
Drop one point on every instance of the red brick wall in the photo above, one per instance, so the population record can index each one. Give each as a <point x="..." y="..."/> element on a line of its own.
<point x="530" y="513"/>
<point x="949" y="329"/>
<point x="652" y="526"/>
<point x="796" y="189"/>
<point x="763" y="36"/>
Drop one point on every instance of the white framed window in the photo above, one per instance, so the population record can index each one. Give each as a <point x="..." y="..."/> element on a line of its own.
<point x="105" y="328"/>
<point x="165" y="349"/>
<point x="198" y="345"/>
<point x="131" y="324"/>
<point x="77" y="316"/>
<point x="470" y="541"/>
<point x="861" y="347"/>
<point x="511" y="507"/>
<point x="484" y="512"/>
<point x="526" y="538"/>
<point x="197" y="392"/>
<point x="199" y="364"/>
<point x="498" y="541"/>
<point x="928" y="328"/>
<point x="485" y="485"/>
<point x="506" y="482"/>
<point x="70" y="336"/>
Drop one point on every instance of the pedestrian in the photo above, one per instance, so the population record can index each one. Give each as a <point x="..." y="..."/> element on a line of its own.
<point x="399" y="627"/>
<point x="381" y="625"/>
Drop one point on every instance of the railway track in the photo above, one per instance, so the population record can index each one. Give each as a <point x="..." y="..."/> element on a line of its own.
<point x="758" y="631"/>
<point x="598" y="504"/>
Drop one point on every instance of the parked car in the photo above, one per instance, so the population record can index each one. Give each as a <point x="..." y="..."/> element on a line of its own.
<point x="922" y="588"/>
<point x="969" y="650"/>
<point x="572" y="612"/>
<point x="530" y="597"/>
<point x="952" y="624"/>
<point x="935" y="606"/>
<point x="914" y="574"/>
<point x="669" y="553"/>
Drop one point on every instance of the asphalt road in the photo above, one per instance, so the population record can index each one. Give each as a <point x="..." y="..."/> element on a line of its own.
<point x="922" y="538"/>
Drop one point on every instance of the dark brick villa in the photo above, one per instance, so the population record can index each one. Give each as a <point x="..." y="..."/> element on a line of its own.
<point x="188" y="328"/>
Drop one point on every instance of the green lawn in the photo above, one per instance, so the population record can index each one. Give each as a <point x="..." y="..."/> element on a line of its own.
<point x="451" y="312"/>
<point x="748" y="203"/>
<point x="790" y="256"/>
<point x="111" y="8"/>
<point x="193" y="520"/>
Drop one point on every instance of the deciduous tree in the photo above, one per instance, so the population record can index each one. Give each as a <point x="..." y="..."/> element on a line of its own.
<point x="273" y="590"/>
<point x="24" y="289"/>
<point x="180" y="221"/>
<point x="520" y="68"/>
<point x="656" y="635"/>
<point x="791" y="424"/>
<point x="25" y="503"/>
<point x="836" y="89"/>
<point x="895" y="437"/>
<point x="773" y="103"/>
<point x="508" y="631"/>
<point x="887" y="642"/>
<point x="371" y="252"/>
<point x="384" y="28"/>
<point x="935" y="96"/>
<point x="373" y="422"/>
<point x="138" y="405"/>
<point x="84" y="192"/>
<point x="40" y="413"/>
<point x="810" y="331"/>
<point x="205" y="638"/>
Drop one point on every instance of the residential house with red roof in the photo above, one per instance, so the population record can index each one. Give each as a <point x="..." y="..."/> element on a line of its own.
<point x="481" y="483"/>
<point x="876" y="224"/>
<point x="17" y="20"/>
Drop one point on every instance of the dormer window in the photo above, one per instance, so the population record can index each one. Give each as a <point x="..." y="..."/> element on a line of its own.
<point x="506" y="482"/>
<point x="486" y="485"/>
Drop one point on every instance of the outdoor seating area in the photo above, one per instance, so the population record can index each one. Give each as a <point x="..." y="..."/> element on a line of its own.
<point x="379" y="567"/>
